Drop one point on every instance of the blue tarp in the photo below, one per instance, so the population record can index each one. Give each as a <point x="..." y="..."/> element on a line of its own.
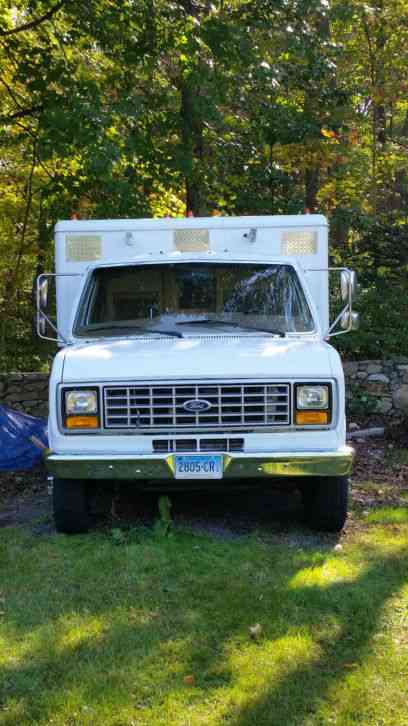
<point x="23" y="438"/>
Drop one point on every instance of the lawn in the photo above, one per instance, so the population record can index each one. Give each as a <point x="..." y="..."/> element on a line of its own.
<point x="119" y="628"/>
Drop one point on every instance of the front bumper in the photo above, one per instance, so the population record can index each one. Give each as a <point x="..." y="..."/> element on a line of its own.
<point x="236" y="466"/>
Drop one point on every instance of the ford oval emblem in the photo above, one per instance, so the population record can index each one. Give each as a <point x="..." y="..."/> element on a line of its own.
<point x="197" y="405"/>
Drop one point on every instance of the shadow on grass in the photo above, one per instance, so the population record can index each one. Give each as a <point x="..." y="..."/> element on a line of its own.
<point x="224" y="512"/>
<point x="357" y="607"/>
<point x="118" y="628"/>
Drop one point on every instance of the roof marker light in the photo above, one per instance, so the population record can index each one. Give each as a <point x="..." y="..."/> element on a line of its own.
<point x="83" y="247"/>
<point x="192" y="240"/>
<point x="296" y="243"/>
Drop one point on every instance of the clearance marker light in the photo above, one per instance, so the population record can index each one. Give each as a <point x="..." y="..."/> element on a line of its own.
<point x="298" y="242"/>
<point x="192" y="240"/>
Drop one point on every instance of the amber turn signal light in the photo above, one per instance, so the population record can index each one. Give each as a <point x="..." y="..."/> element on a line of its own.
<point x="82" y="422"/>
<point x="311" y="417"/>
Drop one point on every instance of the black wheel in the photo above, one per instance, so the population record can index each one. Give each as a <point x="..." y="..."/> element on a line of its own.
<point x="325" y="502"/>
<point x="71" y="511"/>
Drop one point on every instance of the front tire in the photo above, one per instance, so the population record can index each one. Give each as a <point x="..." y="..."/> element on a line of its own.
<point x="71" y="509"/>
<point x="325" y="503"/>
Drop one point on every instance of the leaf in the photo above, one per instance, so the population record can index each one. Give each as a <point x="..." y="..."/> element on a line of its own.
<point x="255" y="631"/>
<point x="328" y="134"/>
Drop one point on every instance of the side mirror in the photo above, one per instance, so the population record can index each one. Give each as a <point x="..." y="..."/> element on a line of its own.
<point x="41" y="324"/>
<point x="346" y="319"/>
<point x="43" y="293"/>
<point x="348" y="285"/>
<point x="45" y="327"/>
<point x="43" y="316"/>
<point x="350" y="321"/>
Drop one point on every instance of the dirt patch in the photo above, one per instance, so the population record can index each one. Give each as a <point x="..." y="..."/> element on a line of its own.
<point x="24" y="499"/>
<point x="30" y="510"/>
<point x="220" y="513"/>
<point x="15" y="484"/>
<point x="380" y="472"/>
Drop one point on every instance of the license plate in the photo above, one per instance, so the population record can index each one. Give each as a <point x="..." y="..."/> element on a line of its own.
<point x="198" y="467"/>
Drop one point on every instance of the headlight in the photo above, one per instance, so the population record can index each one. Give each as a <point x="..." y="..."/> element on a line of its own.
<point x="313" y="404"/>
<point x="80" y="409"/>
<point x="81" y="402"/>
<point x="312" y="397"/>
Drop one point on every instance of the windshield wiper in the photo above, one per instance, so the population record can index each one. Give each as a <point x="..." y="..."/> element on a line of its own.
<point x="105" y="326"/>
<point x="204" y="321"/>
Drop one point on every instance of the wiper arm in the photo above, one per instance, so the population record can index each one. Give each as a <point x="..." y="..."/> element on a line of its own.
<point x="232" y="324"/>
<point x="172" y="333"/>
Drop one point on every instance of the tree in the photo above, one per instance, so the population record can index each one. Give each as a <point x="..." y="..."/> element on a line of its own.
<point x="155" y="108"/>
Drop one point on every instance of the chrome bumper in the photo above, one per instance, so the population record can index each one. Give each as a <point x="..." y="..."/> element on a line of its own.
<point x="236" y="466"/>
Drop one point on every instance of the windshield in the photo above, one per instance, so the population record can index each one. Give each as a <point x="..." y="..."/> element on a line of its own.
<point x="164" y="297"/>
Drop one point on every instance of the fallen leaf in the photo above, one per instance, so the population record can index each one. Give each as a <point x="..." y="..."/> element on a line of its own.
<point x="255" y="631"/>
<point x="189" y="680"/>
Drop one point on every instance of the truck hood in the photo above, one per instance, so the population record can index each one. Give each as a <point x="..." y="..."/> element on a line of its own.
<point x="197" y="357"/>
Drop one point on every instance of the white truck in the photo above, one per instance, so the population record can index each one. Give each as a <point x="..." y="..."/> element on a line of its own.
<point x="194" y="352"/>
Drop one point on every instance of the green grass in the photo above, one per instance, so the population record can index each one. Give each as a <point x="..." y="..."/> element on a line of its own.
<point x="388" y="515"/>
<point x="102" y="630"/>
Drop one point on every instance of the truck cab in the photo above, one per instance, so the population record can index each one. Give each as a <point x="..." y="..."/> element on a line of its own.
<point x="193" y="352"/>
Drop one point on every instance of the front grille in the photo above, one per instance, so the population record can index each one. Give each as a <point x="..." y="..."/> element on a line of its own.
<point x="229" y="405"/>
<point x="170" y="445"/>
<point x="221" y="444"/>
<point x="167" y="445"/>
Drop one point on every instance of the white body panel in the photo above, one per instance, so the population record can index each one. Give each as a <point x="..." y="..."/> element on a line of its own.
<point x="198" y="356"/>
<point x="150" y="240"/>
<point x="303" y="361"/>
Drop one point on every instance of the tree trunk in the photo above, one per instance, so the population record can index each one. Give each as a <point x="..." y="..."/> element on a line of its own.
<point x="312" y="177"/>
<point x="193" y="147"/>
<point x="400" y="191"/>
<point x="192" y="126"/>
<point x="42" y="243"/>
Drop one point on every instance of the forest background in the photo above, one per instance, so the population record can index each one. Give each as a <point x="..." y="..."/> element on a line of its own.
<point x="151" y="108"/>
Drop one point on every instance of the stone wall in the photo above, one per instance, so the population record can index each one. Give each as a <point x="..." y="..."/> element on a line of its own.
<point x="385" y="382"/>
<point x="25" y="392"/>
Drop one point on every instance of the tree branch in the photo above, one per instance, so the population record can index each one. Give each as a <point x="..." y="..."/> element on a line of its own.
<point x="11" y="94"/>
<point x="29" y="199"/>
<point x="33" y="23"/>
<point x="21" y="114"/>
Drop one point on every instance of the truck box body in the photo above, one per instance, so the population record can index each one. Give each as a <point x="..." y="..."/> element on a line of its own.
<point x="297" y="239"/>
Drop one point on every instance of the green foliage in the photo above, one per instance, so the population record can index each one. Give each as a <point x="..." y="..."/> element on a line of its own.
<point x="20" y="349"/>
<point x="154" y="108"/>
<point x="384" y="323"/>
<point x="164" y="524"/>
<point x="360" y="402"/>
<point x="118" y="536"/>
